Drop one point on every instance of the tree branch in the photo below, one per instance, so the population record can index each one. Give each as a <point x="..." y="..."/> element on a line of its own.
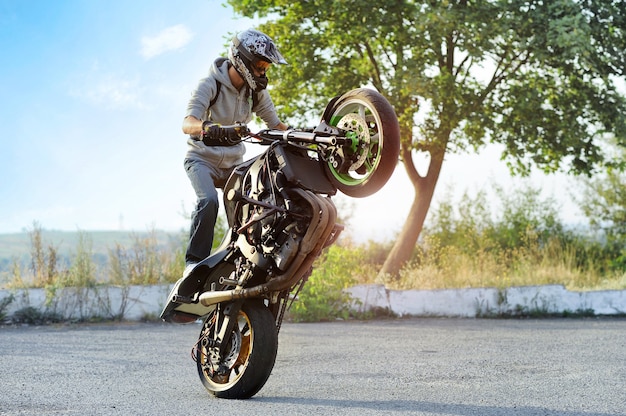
<point x="450" y="45"/>
<point x="370" y="55"/>
<point x="502" y="71"/>
<point x="458" y="70"/>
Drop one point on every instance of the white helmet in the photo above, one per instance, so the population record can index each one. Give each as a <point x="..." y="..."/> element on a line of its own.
<point x="247" y="49"/>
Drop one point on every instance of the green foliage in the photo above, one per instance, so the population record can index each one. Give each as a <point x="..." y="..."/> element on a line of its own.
<point x="219" y="232"/>
<point x="4" y="304"/>
<point x="137" y="265"/>
<point x="16" y="279"/>
<point x="133" y="258"/>
<point x="523" y="212"/>
<point x="517" y="240"/>
<point x="322" y="297"/>
<point x="82" y="272"/>
<point x="33" y="316"/>
<point x="603" y="201"/>
<point x="174" y="264"/>
<point x="74" y="292"/>
<point x="44" y="260"/>
<point x="472" y="225"/>
<point x="521" y="241"/>
<point x="538" y="77"/>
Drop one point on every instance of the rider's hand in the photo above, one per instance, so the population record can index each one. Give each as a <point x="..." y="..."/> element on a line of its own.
<point x="211" y="131"/>
<point x="216" y="135"/>
<point x="238" y="132"/>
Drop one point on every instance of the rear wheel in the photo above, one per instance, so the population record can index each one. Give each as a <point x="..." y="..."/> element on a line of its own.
<point x="363" y="167"/>
<point x="248" y="357"/>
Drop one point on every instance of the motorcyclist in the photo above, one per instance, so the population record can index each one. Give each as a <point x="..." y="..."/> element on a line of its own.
<point x="234" y="89"/>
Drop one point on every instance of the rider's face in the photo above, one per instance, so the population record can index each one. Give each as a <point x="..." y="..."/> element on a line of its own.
<point x="260" y="68"/>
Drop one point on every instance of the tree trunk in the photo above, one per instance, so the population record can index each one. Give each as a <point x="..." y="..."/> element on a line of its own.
<point x="424" y="187"/>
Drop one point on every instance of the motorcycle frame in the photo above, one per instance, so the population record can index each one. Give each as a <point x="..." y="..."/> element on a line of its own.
<point x="306" y="180"/>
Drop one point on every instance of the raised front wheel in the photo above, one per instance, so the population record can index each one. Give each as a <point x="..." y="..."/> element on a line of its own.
<point x="362" y="167"/>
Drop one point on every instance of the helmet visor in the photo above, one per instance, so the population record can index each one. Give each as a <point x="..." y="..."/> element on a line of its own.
<point x="261" y="67"/>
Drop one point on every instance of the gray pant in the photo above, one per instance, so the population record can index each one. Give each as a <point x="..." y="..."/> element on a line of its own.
<point x="204" y="178"/>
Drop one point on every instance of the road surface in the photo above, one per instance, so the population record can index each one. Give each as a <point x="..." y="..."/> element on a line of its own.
<point x="573" y="367"/>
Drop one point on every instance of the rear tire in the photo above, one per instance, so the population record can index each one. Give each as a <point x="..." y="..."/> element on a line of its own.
<point x="250" y="353"/>
<point x="361" y="170"/>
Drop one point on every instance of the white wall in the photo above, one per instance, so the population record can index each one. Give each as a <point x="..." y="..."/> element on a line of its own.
<point x="141" y="302"/>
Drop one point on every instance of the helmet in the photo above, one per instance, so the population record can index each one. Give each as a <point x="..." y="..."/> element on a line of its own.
<point x="247" y="49"/>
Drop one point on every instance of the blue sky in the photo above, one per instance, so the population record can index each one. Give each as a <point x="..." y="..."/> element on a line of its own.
<point x="92" y="96"/>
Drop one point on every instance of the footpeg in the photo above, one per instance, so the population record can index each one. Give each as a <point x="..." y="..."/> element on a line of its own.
<point x="184" y="299"/>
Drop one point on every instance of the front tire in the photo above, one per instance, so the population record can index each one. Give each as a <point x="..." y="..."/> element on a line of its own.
<point x="363" y="168"/>
<point x="250" y="353"/>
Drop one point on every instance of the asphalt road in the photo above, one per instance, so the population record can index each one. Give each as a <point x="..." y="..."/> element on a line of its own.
<point x="574" y="367"/>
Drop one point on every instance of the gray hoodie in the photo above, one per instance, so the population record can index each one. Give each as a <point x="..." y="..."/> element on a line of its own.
<point x="231" y="106"/>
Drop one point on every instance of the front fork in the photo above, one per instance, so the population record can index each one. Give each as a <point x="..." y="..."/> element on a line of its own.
<point x="226" y="321"/>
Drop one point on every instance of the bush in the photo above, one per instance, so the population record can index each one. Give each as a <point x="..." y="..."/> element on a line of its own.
<point x="33" y="316"/>
<point x="524" y="243"/>
<point x="323" y="297"/>
<point x="4" y="305"/>
<point x="141" y="264"/>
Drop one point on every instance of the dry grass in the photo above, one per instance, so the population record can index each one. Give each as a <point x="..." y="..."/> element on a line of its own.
<point x="450" y="268"/>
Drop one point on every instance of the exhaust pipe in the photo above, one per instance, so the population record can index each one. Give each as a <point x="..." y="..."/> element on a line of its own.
<point x="213" y="298"/>
<point x="322" y="225"/>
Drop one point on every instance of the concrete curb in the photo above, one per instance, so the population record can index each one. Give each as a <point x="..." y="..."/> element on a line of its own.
<point x="135" y="303"/>
<point x="484" y="302"/>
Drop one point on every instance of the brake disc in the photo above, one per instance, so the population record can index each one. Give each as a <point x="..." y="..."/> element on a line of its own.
<point x="357" y="124"/>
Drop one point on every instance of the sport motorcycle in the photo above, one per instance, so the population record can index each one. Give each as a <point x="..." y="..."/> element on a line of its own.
<point x="281" y="217"/>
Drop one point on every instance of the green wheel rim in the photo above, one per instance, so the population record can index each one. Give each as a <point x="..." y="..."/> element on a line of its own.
<point x="369" y="164"/>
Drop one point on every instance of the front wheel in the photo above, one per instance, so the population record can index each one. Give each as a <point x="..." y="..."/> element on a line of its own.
<point x="248" y="357"/>
<point x="363" y="167"/>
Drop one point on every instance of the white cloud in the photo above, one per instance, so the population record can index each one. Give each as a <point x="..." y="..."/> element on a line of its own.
<point x="171" y="38"/>
<point x="116" y="92"/>
<point x="111" y="91"/>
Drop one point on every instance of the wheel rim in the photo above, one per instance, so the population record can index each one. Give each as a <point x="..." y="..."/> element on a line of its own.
<point x="354" y="165"/>
<point x="222" y="375"/>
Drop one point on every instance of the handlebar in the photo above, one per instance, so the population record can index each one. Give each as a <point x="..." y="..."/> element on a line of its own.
<point x="297" y="135"/>
<point x="322" y="134"/>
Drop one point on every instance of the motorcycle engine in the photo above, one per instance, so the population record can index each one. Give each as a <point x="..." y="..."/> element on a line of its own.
<point x="287" y="246"/>
<point x="271" y="233"/>
<point x="278" y="236"/>
<point x="274" y="227"/>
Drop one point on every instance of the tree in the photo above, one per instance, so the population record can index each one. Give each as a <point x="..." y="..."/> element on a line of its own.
<point x="537" y="76"/>
<point x="603" y="201"/>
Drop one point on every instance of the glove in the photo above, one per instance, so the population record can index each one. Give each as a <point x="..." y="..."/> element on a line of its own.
<point x="216" y="135"/>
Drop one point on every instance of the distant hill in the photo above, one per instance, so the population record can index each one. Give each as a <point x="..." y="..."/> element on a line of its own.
<point x="17" y="246"/>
